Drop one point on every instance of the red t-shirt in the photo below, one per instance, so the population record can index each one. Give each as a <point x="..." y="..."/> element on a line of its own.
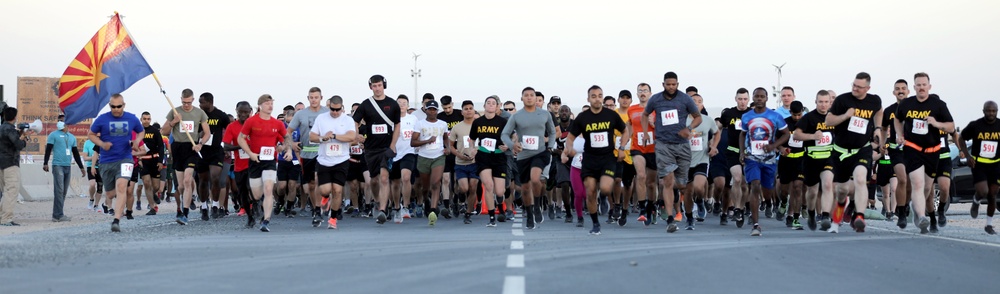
<point x="635" y="117"/>
<point x="240" y="162"/>
<point x="263" y="133"/>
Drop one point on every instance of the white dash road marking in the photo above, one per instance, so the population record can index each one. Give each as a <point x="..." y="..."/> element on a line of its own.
<point x="517" y="226"/>
<point x="517" y="220"/>
<point x="517" y="232"/>
<point x="513" y="285"/>
<point x="516" y="245"/>
<point x="515" y="261"/>
<point x="941" y="237"/>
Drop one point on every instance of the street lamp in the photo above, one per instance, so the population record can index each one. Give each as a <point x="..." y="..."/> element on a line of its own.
<point x="415" y="74"/>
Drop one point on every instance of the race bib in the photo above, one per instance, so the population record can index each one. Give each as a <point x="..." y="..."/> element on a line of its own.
<point x="697" y="144"/>
<point x="380" y="129"/>
<point x="599" y="140"/>
<point x="827" y="139"/>
<point x="988" y="149"/>
<point x="738" y="124"/>
<point x="266" y="153"/>
<point x="886" y="157"/>
<point x="859" y="125"/>
<point x="243" y="155"/>
<point x="127" y="170"/>
<point x="489" y="144"/>
<point x="434" y="145"/>
<point x="530" y="142"/>
<point x="577" y="161"/>
<point x="466" y="142"/>
<point x="757" y="147"/>
<point x="919" y="127"/>
<point x="669" y="117"/>
<point x="407" y="134"/>
<point x="187" y="126"/>
<point x="356" y="150"/>
<point x="794" y="143"/>
<point x="209" y="142"/>
<point x="334" y="149"/>
<point x="944" y="142"/>
<point x="640" y="138"/>
<point x="295" y="162"/>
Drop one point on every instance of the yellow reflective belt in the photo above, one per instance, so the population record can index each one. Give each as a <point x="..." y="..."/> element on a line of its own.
<point x="946" y="155"/>
<point x="845" y="153"/>
<point x="796" y="154"/>
<point x="986" y="160"/>
<point x="733" y="149"/>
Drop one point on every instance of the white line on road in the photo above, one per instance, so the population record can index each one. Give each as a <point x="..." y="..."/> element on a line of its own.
<point x="516" y="245"/>
<point x="940" y="237"/>
<point x="517" y="220"/>
<point x="517" y="232"/>
<point x="517" y="226"/>
<point x="515" y="260"/>
<point x="513" y="285"/>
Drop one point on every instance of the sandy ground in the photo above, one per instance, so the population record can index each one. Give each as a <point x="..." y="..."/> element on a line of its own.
<point x="37" y="216"/>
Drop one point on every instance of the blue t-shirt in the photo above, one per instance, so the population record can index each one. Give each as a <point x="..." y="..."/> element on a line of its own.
<point x="118" y="131"/>
<point x="785" y="113"/>
<point x="671" y="116"/>
<point x="62" y="148"/>
<point x="295" y="138"/>
<point x="761" y="128"/>
<point x="88" y="148"/>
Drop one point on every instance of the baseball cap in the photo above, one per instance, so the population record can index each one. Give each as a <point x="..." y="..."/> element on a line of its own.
<point x="431" y="104"/>
<point x="555" y="99"/>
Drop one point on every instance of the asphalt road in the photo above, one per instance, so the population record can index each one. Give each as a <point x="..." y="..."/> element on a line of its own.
<point x="154" y="255"/>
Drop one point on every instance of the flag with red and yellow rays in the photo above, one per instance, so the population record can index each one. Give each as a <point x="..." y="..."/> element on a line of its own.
<point x="108" y="64"/>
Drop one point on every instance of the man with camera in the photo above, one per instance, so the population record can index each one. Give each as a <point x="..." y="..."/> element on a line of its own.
<point x="12" y="141"/>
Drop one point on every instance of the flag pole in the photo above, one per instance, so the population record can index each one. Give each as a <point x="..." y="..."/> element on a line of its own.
<point x="171" y="103"/>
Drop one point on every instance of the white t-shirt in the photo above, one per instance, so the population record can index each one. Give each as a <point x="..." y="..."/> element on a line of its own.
<point x="333" y="152"/>
<point x="406" y="125"/>
<point x="578" y="144"/>
<point x="427" y="130"/>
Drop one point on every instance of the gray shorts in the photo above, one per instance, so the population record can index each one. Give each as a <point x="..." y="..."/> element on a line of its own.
<point x="112" y="171"/>
<point x="671" y="156"/>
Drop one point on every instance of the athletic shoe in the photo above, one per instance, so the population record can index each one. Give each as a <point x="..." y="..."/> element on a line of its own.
<point x="138" y="205"/>
<point x="901" y="221"/>
<point x="616" y="213"/>
<point x="596" y="231"/>
<point x="788" y="221"/>
<point x="838" y="213"/>
<point x="568" y="218"/>
<point x="989" y="230"/>
<point x="716" y="208"/>
<point x="942" y="220"/>
<point x="215" y="212"/>
<point x="156" y="198"/>
<point x="380" y="217"/>
<point x="623" y="219"/>
<point x="331" y="224"/>
<point x="739" y="218"/>
<point x="128" y="214"/>
<point x="690" y="227"/>
<point x="974" y="211"/>
<point x="610" y="219"/>
<point x="397" y="216"/>
<point x="859" y="224"/>
<point x="446" y="213"/>
<point x="529" y="222"/>
<point x="552" y="212"/>
<point x="105" y="207"/>
<point x="242" y="212"/>
<point x="671" y="227"/>
<point x="579" y="222"/>
<point x="90" y="205"/>
<point x="755" y="231"/>
<point x="678" y="217"/>
<point x="834" y="229"/>
<point x="700" y="217"/>
<point x="181" y="220"/>
<point x="934" y="227"/>
<point x="468" y="219"/>
<point x="405" y="211"/>
<point x="509" y="215"/>
<point x="204" y="214"/>
<point x="418" y="210"/>
<point x="316" y="219"/>
<point x="115" y="227"/>
<point x="61" y="219"/>
<point x="153" y="210"/>
<point x="798" y="227"/>
<point x="263" y="226"/>
<point x="491" y="224"/>
<point x="723" y="220"/>
<point x="251" y="222"/>
<point x="923" y="224"/>
<point x="825" y="223"/>
<point x="768" y="211"/>
<point x="537" y="213"/>
<point x="642" y="219"/>
<point x="432" y="219"/>
<point x="782" y="209"/>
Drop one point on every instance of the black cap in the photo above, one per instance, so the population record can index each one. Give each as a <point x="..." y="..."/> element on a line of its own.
<point x="467" y="102"/>
<point x="555" y="99"/>
<point x="431" y="104"/>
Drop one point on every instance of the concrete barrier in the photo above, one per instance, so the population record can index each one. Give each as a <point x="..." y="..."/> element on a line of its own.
<point x="36" y="184"/>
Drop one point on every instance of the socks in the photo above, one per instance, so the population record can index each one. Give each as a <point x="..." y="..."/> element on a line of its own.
<point x="812" y="214"/>
<point x="447" y="203"/>
<point x="593" y="217"/>
<point x="493" y="215"/>
<point x="215" y="204"/>
<point x="989" y="220"/>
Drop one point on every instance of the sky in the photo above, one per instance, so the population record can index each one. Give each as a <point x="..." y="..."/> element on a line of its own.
<point x="473" y="49"/>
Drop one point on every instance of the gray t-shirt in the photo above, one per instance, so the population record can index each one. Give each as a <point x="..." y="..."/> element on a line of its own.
<point x="190" y="123"/>
<point x="303" y="122"/>
<point x="700" y="144"/>
<point x="531" y="128"/>
<point x="671" y="116"/>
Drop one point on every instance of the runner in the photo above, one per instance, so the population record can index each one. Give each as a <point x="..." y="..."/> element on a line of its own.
<point x="943" y="181"/>
<point x="450" y="118"/>
<point x="627" y="169"/>
<point x="891" y="165"/>
<point x="404" y="164"/>
<point x="563" y="180"/>
<point x="289" y="170"/>
<point x="643" y="156"/>
<point x="430" y="136"/>
<point x="918" y="121"/>
<point x="209" y="169"/>
<point x="335" y="131"/>
<point x="241" y="162"/>
<point x="465" y="163"/>
<point x="853" y="116"/>
<point x="183" y="125"/>
<point x="704" y="142"/>
<point x="597" y="127"/>
<point x="303" y="122"/>
<point x="259" y="139"/>
<point x="532" y="125"/>
<point x="984" y="134"/>
<point x="112" y="132"/>
<point x="732" y="119"/>
<point x="380" y="141"/>
<point x="490" y="158"/>
<point x="762" y="132"/>
<point x="152" y="162"/>
<point x="817" y="167"/>
<point x="790" y="173"/>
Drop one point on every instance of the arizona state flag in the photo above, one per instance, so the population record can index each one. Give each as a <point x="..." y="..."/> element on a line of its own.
<point x="108" y="64"/>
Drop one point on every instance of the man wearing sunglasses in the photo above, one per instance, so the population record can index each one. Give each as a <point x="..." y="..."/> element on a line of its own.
<point x="335" y="132"/>
<point x="186" y="154"/>
<point x="112" y="132"/>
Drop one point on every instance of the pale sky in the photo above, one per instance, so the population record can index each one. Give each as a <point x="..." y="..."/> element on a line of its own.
<point x="473" y="49"/>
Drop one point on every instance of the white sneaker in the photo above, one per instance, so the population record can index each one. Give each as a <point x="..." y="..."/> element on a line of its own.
<point x="834" y="229"/>
<point x="397" y="216"/>
<point x="405" y="212"/>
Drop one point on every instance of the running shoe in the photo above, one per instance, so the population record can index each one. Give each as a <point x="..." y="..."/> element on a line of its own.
<point x="901" y="221"/>
<point x="446" y="213"/>
<point x="215" y="212"/>
<point x="537" y="213"/>
<point x="568" y="217"/>
<point x="397" y="216"/>
<point x="90" y="205"/>
<point x="934" y="227"/>
<point x="153" y="210"/>
<point x="380" y="217"/>
<point x="138" y="205"/>
<point x="989" y="230"/>
<point x="642" y="219"/>
<point x="579" y="222"/>
<point x="838" y="213"/>
<point x="242" y="212"/>
<point x="491" y="224"/>
<point x="768" y="211"/>
<point x="788" y="221"/>
<point x="690" y="227"/>
<point x="552" y="212"/>
<point x="723" y="220"/>
<point x="115" y="227"/>
<point x="128" y="214"/>
<point x="610" y="219"/>
<point x="924" y="223"/>
<point x="405" y="211"/>
<point x="317" y="219"/>
<point x="700" y="217"/>
<point x="834" y="229"/>
<point x="331" y="224"/>
<point x="798" y="227"/>
<point x="263" y="226"/>
<point x="623" y="219"/>
<point x="468" y="219"/>
<point x="825" y="223"/>
<point x="739" y="218"/>
<point x="716" y="208"/>
<point x="510" y="215"/>
<point x="432" y="219"/>
<point x="782" y="209"/>
<point x="615" y="213"/>
<point x="678" y="217"/>
<point x="974" y="211"/>
<point x="942" y="219"/>
<point x="859" y="224"/>
<point x="671" y="227"/>
<point x="204" y="214"/>
<point x="596" y="231"/>
<point x="324" y="202"/>
<point x="181" y="220"/>
<point x="755" y="231"/>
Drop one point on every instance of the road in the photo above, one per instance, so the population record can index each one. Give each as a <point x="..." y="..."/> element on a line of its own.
<point x="155" y="255"/>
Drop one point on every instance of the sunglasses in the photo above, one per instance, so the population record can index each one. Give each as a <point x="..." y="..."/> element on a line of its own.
<point x="336" y="109"/>
<point x="117" y="106"/>
<point x="508" y="109"/>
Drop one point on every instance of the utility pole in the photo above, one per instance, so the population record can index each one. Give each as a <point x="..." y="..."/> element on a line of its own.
<point x="415" y="73"/>
<point x="776" y="90"/>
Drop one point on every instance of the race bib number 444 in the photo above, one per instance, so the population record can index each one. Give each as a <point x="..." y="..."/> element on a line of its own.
<point x="669" y="117"/>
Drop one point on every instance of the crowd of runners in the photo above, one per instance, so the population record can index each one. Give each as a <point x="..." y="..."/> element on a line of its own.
<point x="662" y="157"/>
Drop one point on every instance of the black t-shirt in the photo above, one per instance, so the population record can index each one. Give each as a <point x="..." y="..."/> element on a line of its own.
<point x="810" y="123"/>
<point x="598" y="131"/>
<point x="913" y="114"/>
<point x="379" y="136"/>
<point x="793" y="145"/>
<point x="856" y="131"/>
<point x="561" y="141"/>
<point x="153" y="140"/>
<point x="980" y="131"/>
<point x="731" y="119"/>
<point x="451" y="119"/>
<point x="363" y="129"/>
<point x="488" y="129"/>
<point x="218" y="120"/>
<point x="887" y="116"/>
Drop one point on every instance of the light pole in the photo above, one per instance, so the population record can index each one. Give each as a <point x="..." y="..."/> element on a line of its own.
<point x="415" y="73"/>
<point x="775" y="89"/>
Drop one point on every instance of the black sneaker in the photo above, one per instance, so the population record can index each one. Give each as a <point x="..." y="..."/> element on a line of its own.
<point x="552" y="212"/>
<point x="812" y="223"/>
<point x="723" y="220"/>
<point x="138" y="205"/>
<point x="768" y="212"/>
<point x="755" y="231"/>
<point x="690" y="226"/>
<point x="579" y="222"/>
<point x="739" y="218"/>
<point x="491" y="224"/>
<point x="317" y="219"/>
<point x="569" y="217"/>
<point x="825" y="223"/>
<point x="610" y="219"/>
<point x="529" y="221"/>
<point x="251" y="222"/>
<point x="934" y="227"/>
<point x="509" y="215"/>
<point x="156" y="198"/>
<point x="989" y="230"/>
<point x="152" y="211"/>
<point x="788" y="221"/>
<point x="446" y="213"/>
<point x="204" y="214"/>
<point x="716" y="208"/>
<point x="128" y="214"/>
<point x="942" y="220"/>
<point x="615" y="213"/>
<point x="380" y="217"/>
<point x="596" y="231"/>
<point x="215" y="212"/>
<point x="538" y="214"/>
<point x="671" y="227"/>
<point x="263" y="226"/>
<point x="115" y="227"/>
<point x="623" y="219"/>
<point x="974" y="211"/>
<point x="901" y="221"/>
<point x="468" y="219"/>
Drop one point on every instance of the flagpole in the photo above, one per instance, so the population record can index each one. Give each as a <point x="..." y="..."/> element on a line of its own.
<point x="171" y="103"/>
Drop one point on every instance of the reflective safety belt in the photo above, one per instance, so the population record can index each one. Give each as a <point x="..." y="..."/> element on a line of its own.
<point x="845" y="153"/>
